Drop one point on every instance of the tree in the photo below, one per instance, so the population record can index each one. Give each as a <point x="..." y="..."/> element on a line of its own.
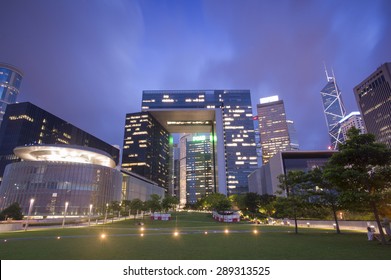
<point x="323" y="192"/>
<point x="267" y="204"/>
<point x="154" y="204"/>
<point x="169" y="202"/>
<point x="292" y="185"/>
<point x="362" y="171"/>
<point x="135" y="205"/>
<point x="115" y="206"/>
<point x="251" y="202"/>
<point x="237" y="201"/>
<point x="13" y="211"/>
<point x="218" y="202"/>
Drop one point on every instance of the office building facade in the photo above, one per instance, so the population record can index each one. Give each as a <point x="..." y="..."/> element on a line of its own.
<point x="373" y="96"/>
<point x="333" y="109"/>
<point x="226" y="115"/>
<point x="354" y="119"/>
<point x="10" y="80"/>
<point x="274" y="128"/>
<point x="146" y="148"/>
<point x="199" y="168"/>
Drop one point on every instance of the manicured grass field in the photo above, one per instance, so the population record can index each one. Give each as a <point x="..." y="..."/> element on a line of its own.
<point x="125" y="240"/>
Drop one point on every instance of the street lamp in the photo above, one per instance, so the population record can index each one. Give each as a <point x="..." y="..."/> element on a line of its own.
<point x="107" y="207"/>
<point x="28" y="215"/>
<point x="65" y="213"/>
<point x="89" y="215"/>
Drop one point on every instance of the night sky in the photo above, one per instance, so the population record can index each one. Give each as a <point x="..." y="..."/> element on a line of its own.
<point x="88" y="61"/>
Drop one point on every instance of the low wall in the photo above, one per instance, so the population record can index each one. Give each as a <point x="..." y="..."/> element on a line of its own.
<point x="343" y="225"/>
<point x="11" y="227"/>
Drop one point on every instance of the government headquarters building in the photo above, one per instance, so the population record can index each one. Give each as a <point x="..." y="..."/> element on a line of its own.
<point x="222" y="119"/>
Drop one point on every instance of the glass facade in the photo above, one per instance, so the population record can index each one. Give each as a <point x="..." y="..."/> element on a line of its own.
<point x="146" y="148"/>
<point x="352" y="120"/>
<point x="137" y="187"/>
<point x="27" y="124"/>
<point x="199" y="168"/>
<point x="275" y="129"/>
<point x="10" y="80"/>
<point x="334" y="110"/>
<point x="373" y="96"/>
<point x="237" y="135"/>
<point x="52" y="184"/>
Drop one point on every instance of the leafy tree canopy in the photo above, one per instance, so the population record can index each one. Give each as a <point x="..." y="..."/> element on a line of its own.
<point x="14" y="211"/>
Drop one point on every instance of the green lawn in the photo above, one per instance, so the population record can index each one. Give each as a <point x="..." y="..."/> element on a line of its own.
<point x="124" y="241"/>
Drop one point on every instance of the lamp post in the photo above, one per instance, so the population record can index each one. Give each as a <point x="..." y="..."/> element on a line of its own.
<point x="89" y="215"/>
<point x="107" y="207"/>
<point x="29" y="213"/>
<point x="65" y="213"/>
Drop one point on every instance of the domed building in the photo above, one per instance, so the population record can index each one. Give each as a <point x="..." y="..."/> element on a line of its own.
<point x="54" y="175"/>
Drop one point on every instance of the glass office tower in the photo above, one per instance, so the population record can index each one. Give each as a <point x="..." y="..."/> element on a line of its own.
<point x="199" y="168"/>
<point x="226" y="115"/>
<point x="146" y="148"/>
<point x="373" y="96"/>
<point x="10" y="80"/>
<point x="334" y="110"/>
<point x="274" y="128"/>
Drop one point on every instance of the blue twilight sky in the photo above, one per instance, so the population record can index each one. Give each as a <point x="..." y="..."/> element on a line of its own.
<point x="87" y="61"/>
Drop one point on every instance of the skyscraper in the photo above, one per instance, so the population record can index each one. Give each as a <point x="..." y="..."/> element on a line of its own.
<point x="373" y="96"/>
<point x="146" y="148"/>
<point x="334" y="110"/>
<point x="274" y="127"/>
<point x="10" y="80"/>
<point x="199" y="168"/>
<point x="226" y="115"/>
<point x="352" y="120"/>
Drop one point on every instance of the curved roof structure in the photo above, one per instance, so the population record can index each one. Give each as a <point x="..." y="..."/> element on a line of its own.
<point x="65" y="153"/>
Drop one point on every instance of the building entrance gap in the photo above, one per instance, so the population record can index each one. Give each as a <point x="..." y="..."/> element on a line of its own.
<point x="193" y="121"/>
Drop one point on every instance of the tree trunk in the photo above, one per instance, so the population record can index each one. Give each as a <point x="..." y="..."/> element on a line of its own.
<point x="296" y="229"/>
<point x="336" y="219"/>
<point x="376" y="213"/>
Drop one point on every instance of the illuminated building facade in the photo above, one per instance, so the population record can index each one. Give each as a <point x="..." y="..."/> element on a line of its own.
<point x="146" y="148"/>
<point x="334" y="110"/>
<point x="10" y="80"/>
<point x="352" y="120"/>
<point x="373" y="96"/>
<point x="225" y="114"/>
<point x="274" y="128"/>
<point x="27" y="124"/>
<point x="56" y="175"/>
<point x="199" y="168"/>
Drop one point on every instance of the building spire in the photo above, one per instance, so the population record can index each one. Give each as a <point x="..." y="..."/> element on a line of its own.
<point x="329" y="78"/>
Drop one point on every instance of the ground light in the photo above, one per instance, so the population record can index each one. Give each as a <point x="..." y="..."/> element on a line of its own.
<point x="206" y="232"/>
<point x="176" y="233"/>
<point x="58" y="237"/>
<point x="226" y="231"/>
<point x="102" y="236"/>
<point x="255" y="231"/>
